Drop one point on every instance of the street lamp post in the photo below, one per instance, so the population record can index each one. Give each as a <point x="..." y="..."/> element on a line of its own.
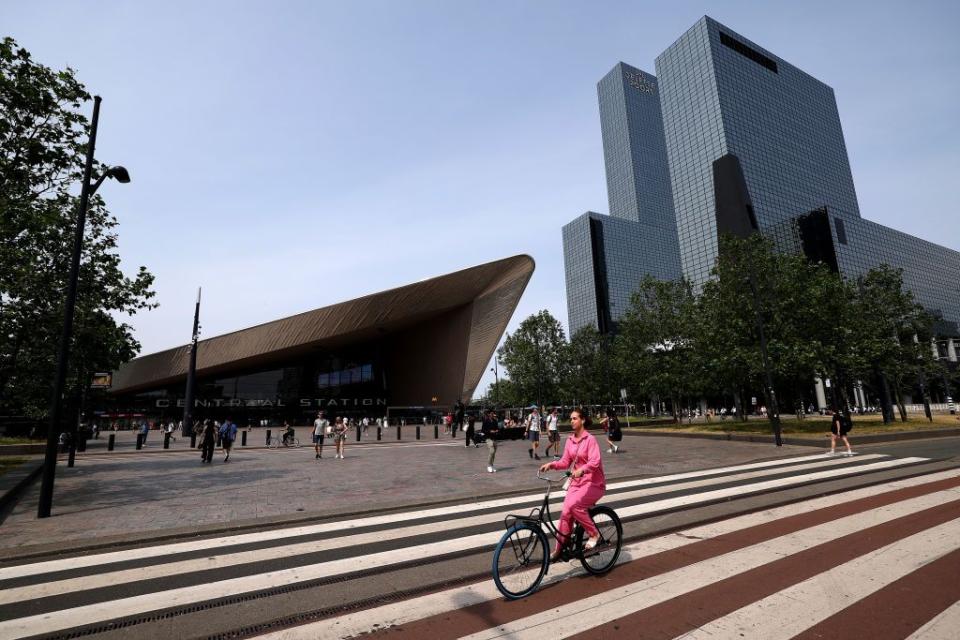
<point x="63" y="354"/>
<point x="187" y="428"/>
<point x="496" y="377"/>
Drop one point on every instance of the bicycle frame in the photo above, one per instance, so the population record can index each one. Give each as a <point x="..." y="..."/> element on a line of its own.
<point x="543" y="517"/>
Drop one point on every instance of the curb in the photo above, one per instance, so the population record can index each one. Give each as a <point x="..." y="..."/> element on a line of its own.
<point x="820" y="443"/>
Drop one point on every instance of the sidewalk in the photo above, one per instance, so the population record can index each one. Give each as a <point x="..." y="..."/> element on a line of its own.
<point x="123" y="497"/>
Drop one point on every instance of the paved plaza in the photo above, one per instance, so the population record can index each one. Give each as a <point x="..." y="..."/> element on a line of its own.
<point x="134" y="494"/>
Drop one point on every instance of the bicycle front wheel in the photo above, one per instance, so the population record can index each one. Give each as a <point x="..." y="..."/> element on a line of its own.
<point x="601" y="558"/>
<point x="520" y="561"/>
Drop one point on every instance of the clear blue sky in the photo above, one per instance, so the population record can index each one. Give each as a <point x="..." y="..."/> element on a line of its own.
<point x="289" y="155"/>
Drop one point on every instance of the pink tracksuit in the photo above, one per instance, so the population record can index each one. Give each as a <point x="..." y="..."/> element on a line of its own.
<point x="584" y="491"/>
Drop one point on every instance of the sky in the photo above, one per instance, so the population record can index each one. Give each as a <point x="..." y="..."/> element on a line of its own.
<point x="288" y="155"/>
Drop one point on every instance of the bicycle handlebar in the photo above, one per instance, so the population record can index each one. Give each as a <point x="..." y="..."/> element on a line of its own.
<point x="540" y="476"/>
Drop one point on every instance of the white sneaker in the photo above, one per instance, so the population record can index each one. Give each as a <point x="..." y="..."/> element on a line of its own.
<point x="848" y="453"/>
<point x="616" y="448"/>
<point x="609" y="450"/>
<point x="491" y="470"/>
<point x="591" y="542"/>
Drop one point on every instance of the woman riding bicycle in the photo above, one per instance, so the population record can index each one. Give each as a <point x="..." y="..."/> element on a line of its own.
<point x="581" y="455"/>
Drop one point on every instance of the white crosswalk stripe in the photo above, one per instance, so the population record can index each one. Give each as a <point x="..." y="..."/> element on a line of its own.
<point x="230" y="563"/>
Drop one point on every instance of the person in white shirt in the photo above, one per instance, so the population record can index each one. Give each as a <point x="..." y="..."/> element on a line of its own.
<point x="533" y="433"/>
<point x="553" y="434"/>
<point x="319" y="430"/>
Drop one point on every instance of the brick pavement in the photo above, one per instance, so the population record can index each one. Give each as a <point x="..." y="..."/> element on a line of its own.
<point x="135" y="493"/>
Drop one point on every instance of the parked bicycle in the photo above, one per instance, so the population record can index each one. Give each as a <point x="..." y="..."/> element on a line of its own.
<point x="522" y="557"/>
<point x="278" y="441"/>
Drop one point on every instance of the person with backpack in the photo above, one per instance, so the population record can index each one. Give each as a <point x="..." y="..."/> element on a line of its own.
<point x="840" y="426"/>
<point x="611" y="424"/>
<point x="228" y="433"/>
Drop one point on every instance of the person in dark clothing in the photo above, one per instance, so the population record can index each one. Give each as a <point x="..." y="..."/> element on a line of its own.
<point x="839" y="427"/>
<point x="208" y="440"/>
<point x="490" y="428"/>
<point x="470" y="431"/>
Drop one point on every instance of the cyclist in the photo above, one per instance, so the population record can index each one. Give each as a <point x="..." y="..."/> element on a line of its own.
<point x="288" y="435"/>
<point x="581" y="455"/>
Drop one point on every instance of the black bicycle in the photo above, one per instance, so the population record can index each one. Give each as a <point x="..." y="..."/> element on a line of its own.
<point x="522" y="556"/>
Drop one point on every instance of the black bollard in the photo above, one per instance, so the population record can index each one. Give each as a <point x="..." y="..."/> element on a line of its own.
<point x="418" y="432"/>
<point x="378" y="434"/>
<point x="193" y="441"/>
<point x="71" y="456"/>
<point x="82" y="443"/>
<point x="139" y="441"/>
<point x="436" y="431"/>
<point x="267" y="443"/>
<point x="398" y="432"/>
<point x="243" y="439"/>
<point x="110" y="441"/>
<point x="358" y="433"/>
<point x="166" y="440"/>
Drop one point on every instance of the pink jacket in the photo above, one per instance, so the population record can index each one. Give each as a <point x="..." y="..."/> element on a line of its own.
<point x="584" y="454"/>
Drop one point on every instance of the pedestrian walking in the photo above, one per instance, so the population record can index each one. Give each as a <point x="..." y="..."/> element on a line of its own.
<point x="208" y="440"/>
<point x="366" y="424"/>
<point x="319" y="430"/>
<point x="470" y="431"/>
<point x="840" y="426"/>
<point x="533" y="433"/>
<point x="144" y="432"/>
<point x="611" y="424"/>
<point x="489" y="428"/>
<point x="228" y="433"/>
<point x="553" y="434"/>
<point x="340" y="436"/>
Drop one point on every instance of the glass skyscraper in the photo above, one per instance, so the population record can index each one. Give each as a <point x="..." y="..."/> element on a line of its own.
<point x="719" y="93"/>
<point x="722" y="93"/>
<point x="606" y="257"/>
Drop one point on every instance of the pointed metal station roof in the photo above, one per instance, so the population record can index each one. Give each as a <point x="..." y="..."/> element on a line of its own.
<point x="491" y="291"/>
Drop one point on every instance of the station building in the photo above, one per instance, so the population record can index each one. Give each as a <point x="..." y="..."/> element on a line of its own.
<point x="418" y="348"/>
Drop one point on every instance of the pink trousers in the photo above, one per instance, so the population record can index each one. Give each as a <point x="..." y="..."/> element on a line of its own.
<point x="576" y="506"/>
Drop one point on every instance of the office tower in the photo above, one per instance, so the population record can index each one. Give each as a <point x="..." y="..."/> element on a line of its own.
<point x="606" y="257"/>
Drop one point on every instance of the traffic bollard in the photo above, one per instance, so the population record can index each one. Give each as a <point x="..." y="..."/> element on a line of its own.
<point x="378" y="434"/>
<point x="267" y="443"/>
<point x="139" y="441"/>
<point x="166" y="441"/>
<point x="243" y="439"/>
<point x="193" y="441"/>
<point x="436" y="431"/>
<point x="358" y="433"/>
<point x="398" y="432"/>
<point x="418" y="432"/>
<point x="82" y="443"/>
<point x="110" y="441"/>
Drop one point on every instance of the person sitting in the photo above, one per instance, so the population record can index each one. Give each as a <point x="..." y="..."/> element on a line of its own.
<point x="581" y="455"/>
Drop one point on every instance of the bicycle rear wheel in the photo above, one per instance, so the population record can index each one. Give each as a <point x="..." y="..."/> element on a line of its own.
<point x="520" y="561"/>
<point x="604" y="556"/>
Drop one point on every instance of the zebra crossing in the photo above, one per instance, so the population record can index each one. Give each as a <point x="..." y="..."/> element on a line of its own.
<point x="913" y="526"/>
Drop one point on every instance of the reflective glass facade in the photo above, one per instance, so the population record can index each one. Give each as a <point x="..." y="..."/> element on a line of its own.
<point x="605" y="258"/>
<point x="634" y="152"/>
<point x="721" y="93"/>
<point x="930" y="271"/>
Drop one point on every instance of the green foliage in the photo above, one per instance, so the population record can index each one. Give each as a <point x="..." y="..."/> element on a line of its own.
<point x="593" y="374"/>
<point x="656" y="345"/>
<point x="42" y="152"/>
<point x="534" y="358"/>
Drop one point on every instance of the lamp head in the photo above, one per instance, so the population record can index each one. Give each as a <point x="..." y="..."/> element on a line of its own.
<point x="118" y="173"/>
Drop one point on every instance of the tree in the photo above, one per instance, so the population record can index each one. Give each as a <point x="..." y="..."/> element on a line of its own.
<point x="592" y="371"/>
<point x="534" y="358"/>
<point x="42" y="147"/>
<point x="656" y="347"/>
